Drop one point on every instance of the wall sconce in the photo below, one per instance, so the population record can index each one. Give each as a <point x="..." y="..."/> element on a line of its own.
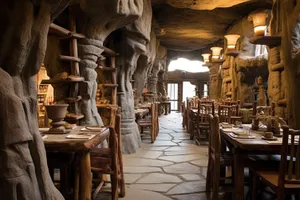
<point x="206" y="57"/>
<point x="216" y="51"/>
<point x="259" y="20"/>
<point x="231" y="41"/>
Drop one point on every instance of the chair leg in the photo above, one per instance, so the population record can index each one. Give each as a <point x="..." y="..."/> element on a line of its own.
<point x="114" y="186"/>
<point x="152" y="135"/>
<point x="216" y="179"/>
<point x="254" y="187"/>
<point x="208" y="177"/>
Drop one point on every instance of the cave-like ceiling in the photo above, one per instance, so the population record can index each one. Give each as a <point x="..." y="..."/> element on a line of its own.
<point x="187" y="25"/>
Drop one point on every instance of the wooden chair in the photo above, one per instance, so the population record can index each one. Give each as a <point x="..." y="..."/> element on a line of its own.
<point x="204" y="110"/>
<point x="151" y="122"/>
<point x="287" y="179"/>
<point x="218" y="159"/>
<point x="225" y="112"/>
<point x="110" y="161"/>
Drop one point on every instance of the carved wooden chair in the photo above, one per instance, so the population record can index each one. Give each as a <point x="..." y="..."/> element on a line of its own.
<point x="287" y="179"/>
<point x="151" y="122"/>
<point x="225" y="113"/>
<point x="109" y="160"/>
<point x="204" y="110"/>
<point x="217" y="159"/>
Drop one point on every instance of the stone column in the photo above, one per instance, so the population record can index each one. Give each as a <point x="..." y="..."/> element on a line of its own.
<point x="134" y="40"/>
<point x="215" y="82"/>
<point x="93" y="23"/>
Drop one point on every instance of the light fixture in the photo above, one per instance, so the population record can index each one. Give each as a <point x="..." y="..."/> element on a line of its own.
<point x="206" y="57"/>
<point x="231" y="41"/>
<point x="259" y="20"/>
<point x="216" y="51"/>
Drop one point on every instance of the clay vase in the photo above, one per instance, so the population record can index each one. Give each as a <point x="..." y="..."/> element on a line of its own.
<point x="57" y="113"/>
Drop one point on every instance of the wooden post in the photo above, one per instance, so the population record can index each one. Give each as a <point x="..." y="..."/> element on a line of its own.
<point x="85" y="176"/>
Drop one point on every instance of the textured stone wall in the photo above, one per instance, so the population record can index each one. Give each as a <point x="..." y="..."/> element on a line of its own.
<point x="23" y="39"/>
<point x="288" y="11"/>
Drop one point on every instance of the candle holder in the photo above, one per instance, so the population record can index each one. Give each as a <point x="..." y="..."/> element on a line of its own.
<point x="216" y="52"/>
<point x="206" y="57"/>
<point x="231" y="45"/>
<point x="259" y="20"/>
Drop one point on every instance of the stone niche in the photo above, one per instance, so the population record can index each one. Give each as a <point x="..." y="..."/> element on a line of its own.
<point x="239" y="74"/>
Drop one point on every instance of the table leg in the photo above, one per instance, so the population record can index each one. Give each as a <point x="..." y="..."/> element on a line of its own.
<point x="166" y="109"/>
<point x="85" y="177"/>
<point x="238" y="175"/>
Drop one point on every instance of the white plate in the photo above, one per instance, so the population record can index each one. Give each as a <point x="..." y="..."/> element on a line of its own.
<point x="242" y="136"/>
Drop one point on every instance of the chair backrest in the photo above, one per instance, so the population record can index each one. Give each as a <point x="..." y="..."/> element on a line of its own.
<point x="214" y="138"/>
<point x="225" y="112"/>
<point x="204" y="110"/>
<point x="290" y="169"/>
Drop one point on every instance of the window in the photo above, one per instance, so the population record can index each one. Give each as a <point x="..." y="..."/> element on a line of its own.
<point x="173" y="94"/>
<point x="187" y="65"/>
<point x="260" y="50"/>
<point x="205" y="90"/>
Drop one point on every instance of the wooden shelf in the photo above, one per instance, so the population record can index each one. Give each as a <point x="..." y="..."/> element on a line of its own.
<point x="111" y="69"/>
<point x="63" y="81"/>
<point x="270" y="41"/>
<point x="63" y="33"/>
<point x="233" y="53"/>
<point x="277" y="67"/>
<point x="69" y="58"/>
<point x="73" y="100"/>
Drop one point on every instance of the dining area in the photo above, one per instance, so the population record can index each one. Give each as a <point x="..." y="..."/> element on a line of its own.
<point x="255" y="159"/>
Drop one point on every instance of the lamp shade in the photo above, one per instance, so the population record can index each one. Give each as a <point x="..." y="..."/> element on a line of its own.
<point x="259" y="20"/>
<point x="231" y="41"/>
<point x="216" y="51"/>
<point x="206" y="57"/>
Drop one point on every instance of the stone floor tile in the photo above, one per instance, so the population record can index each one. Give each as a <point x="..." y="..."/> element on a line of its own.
<point x="182" y="158"/>
<point x="131" y="178"/>
<point x="128" y="161"/>
<point x="136" y="170"/>
<point x="164" y="143"/>
<point x="182" y="168"/>
<point x="188" y="187"/>
<point x="177" y="141"/>
<point x="154" y="187"/>
<point x="197" y="196"/>
<point x="191" y="177"/>
<point x="174" y="153"/>
<point x="147" y="154"/>
<point x="201" y="162"/>
<point x="159" y="178"/>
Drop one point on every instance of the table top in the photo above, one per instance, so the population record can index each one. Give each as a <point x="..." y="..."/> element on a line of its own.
<point x="59" y="142"/>
<point x="255" y="144"/>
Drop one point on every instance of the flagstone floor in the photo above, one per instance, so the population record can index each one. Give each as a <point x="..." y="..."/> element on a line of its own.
<point x="173" y="167"/>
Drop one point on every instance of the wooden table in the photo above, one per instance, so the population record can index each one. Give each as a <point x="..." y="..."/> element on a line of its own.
<point x="167" y="107"/>
<point x="59" y="143"/>
<point x="241" y="148"/>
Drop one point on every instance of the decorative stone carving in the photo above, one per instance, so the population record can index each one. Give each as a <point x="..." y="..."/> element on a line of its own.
<point x="97" y="20"/>
<point x="133" y="43"/>
<point x="23" y="165"/>
<point x="144" y="65"/>
<point x="215" y="81"/>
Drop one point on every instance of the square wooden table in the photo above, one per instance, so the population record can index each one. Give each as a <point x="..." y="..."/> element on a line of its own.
<point x="59" y="143"/>
<point x="242" y="148"/>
